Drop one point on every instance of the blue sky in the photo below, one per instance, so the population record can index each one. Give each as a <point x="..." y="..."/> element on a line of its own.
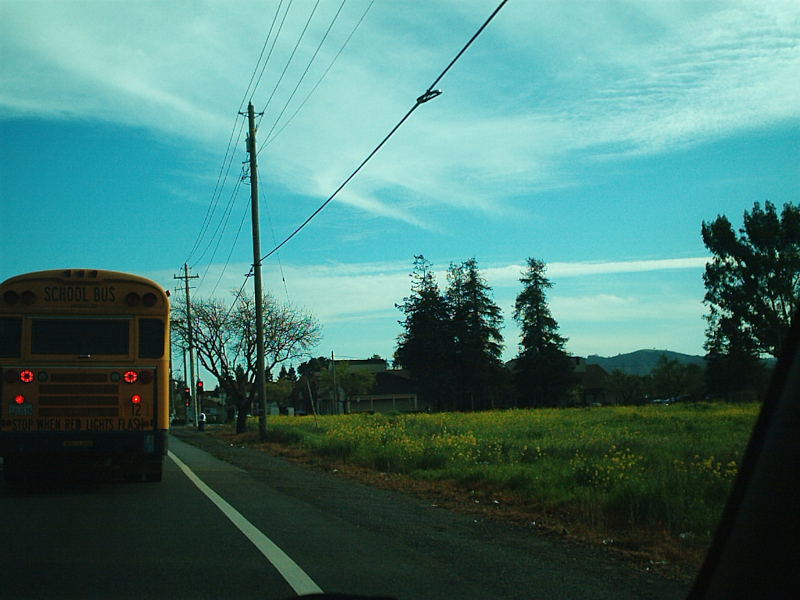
<point x="596" y="136"/>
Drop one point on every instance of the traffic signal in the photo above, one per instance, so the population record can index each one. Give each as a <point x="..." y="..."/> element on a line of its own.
<point x="187" y="395"/>
<point x="199" y="388"/>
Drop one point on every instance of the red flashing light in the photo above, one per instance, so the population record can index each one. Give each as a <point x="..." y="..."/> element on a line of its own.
<point x="149" y="299"/>
<point x="136" y="398"/>
<point x="130" y="376"/>
<point x="26" y="376"/>
<point x="20" y="399"/>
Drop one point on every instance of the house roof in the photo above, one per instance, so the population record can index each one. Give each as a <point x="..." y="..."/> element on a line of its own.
<point x="392" y="383"/>
<point x="593" y="378"/>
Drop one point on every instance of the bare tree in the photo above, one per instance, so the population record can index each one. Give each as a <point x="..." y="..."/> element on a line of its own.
<point x="225" y="341"/>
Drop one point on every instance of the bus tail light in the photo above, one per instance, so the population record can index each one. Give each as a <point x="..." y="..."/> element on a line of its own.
<point x="26" y="376"/>
<point x="145" y="377"/>
<point x="130" y="376"/>
<point x="19" y="399"/>
<point x="136" y="398"/>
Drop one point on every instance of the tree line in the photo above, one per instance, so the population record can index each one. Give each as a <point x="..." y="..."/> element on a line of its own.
<point x="451" y="339"/>
<point x="452" y="342"/>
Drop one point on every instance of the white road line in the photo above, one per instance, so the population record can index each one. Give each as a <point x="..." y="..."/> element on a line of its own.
<point x="291" y="572"/>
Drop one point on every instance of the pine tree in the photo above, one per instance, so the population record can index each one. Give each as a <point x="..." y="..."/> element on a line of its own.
<point x="425" y="346"/>
<point x="476" y="322"/>
<point x="544" y="370"/>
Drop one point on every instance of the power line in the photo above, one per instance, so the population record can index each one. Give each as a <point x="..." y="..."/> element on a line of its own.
<point x="274" y="239"/>
<point x="429" y="94"/>
<point x="264" y="47"/>
<point x="222" y="225"/>
<point x="222" y="178"/>
<point x="230" y="254"/>
<point x="227" y="160"/>
<point x="308" y="66"/>
<point x="291" y="56"/>
<point x="270" y="137"/>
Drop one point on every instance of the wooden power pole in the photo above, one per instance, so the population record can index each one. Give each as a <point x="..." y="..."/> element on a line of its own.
<point x="191" y="383"/>
<point x="261" y="380"/>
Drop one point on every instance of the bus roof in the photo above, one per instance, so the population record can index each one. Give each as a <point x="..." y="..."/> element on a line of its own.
<point x="84" y="291"/>
<point x="78" y="275"/>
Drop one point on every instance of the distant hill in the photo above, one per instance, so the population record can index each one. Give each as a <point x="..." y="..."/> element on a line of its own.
<point x="641" y="362"/>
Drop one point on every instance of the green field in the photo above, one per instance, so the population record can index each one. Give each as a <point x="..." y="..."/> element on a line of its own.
<point x="665" y="469"/>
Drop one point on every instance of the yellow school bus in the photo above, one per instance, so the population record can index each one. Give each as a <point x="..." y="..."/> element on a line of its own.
<point x="84" y="373"/>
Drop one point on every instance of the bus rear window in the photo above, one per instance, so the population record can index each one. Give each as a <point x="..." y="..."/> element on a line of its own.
<point x="151" y="338"/>
<point x="80" y="336"/>
<point x="10" y="337"/>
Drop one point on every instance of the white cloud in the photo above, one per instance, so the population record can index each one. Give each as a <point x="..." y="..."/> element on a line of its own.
<point x="509" y="275"/>
<point x="596" y="80"/>
<point x="548" y="88"/>
<point x="363" y="297"/>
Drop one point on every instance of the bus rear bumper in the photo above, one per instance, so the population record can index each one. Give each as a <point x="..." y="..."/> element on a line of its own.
<point x="109" y="443"/>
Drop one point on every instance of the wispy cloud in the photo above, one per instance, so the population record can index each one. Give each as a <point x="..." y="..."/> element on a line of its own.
<point x="654" y="78"/>
<point x="336" y="290"/>
<point x="510" y="274"/>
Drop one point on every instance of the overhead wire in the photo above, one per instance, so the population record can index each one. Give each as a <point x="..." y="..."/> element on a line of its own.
<point x="274" y="40"/>
<point x="250" y="273"/>
<point x="263" y="65"/>
<point x="227" y="160"/>
<point x="223" y="225"/>
<point x="270" y="138"/>
<point x="429" y="94"/>
<point x="291" y="56"/>
<point x="263" y="48"/>
<point x="308" y="66"/>
<point x="233" y="247"/>
<point x="222" y="178"/>
<point x="274" y="239"/>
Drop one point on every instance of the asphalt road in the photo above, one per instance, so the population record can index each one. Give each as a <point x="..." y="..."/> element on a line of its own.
<point x="254" y="526"/>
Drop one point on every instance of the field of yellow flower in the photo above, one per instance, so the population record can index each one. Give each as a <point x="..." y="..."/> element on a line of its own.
<point x="649" y="468"/>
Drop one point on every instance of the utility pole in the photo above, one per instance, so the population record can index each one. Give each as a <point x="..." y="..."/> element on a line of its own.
<point x="261" y="380"/>
<point x="335" y="407"/>
<point x="186" y="383"/>
<point x="192" y="394"/>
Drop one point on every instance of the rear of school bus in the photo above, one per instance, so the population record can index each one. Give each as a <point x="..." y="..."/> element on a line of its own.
<point x="84" y="373"/>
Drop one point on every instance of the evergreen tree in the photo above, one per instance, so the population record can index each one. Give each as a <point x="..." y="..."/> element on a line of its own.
<point x="476" y="322"/>
<point x="425" y="347"/>
<point x="544" y="370"/>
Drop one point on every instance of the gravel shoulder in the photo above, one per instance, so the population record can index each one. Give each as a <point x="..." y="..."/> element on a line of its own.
<point x="509" y="557"/>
